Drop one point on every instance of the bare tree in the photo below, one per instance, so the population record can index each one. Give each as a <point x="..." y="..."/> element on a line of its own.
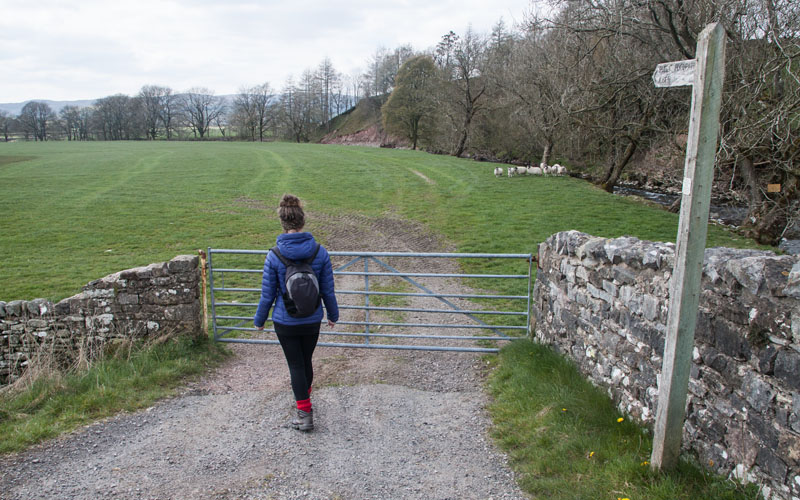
<point x="537" y="83"/>
<point x="390" y="67"/>
<point x="84" y="122"/>
<point x="243" y="114"/>
<point x="497" y="131"/>
<point x="200" y="108"/>
<point x="327" y="79"/>
<point x="34" y="118"/>
<point x="371" y="79"/>
<point x="5" y="124"/>
<point x="382" y="70"/>
<point x="444" y="55"/>
<point x="70" y="121"/>
<point x="221" y="121"/>
<point x="154" y="100"/>
<point x="296" y="108"/>
<point x="340" y="101"/>
<point x="463" y="63"/>
<point x="118" y="117"/>
<point x="170" y="109"/>
<point x="263" y="108"/>
<point x="354" y="88"/>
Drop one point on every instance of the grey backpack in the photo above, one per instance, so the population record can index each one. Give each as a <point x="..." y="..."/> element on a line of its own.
<point x="301" y="297"/>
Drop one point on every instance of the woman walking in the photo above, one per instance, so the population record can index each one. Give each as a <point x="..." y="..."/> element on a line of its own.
<point x="296" y="323"/>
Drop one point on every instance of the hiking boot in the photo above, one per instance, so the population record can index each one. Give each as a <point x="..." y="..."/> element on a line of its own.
<point x="304" y="421"/>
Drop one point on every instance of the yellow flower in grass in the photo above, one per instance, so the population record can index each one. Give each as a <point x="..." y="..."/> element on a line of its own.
<point x="626" y="498"/>
<point x="591" y="454"/>
<point x="563" y="409"/>
<point x="620" y="419"/>
<point x="645" y="463"/>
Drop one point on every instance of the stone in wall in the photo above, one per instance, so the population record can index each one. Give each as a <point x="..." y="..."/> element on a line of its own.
<point x="604" y="303"/>
<point x="155" y="300"/>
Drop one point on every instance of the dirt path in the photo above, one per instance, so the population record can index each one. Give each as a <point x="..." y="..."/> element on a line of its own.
<point x="389" y="424"/>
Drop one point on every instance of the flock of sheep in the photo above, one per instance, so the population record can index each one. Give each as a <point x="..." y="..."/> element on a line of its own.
<point x="542" y="169"/>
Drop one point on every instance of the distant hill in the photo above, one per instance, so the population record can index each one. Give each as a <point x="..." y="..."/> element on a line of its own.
<point x="362" y="126"/>
<point x="14" y="108"/>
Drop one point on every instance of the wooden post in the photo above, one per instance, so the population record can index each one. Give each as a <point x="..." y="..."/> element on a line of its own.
<point x="204" y="275"/>
<point x="701" y="148"/>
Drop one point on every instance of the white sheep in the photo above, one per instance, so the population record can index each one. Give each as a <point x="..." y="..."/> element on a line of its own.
<point x="511" y="171"/>
<point x="534" y="171"/>
<point x="498" y="171"/>
<point x="561" y="169"/>
<point x="521" y="170"/>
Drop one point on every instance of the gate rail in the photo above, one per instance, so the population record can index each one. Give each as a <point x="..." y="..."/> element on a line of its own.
<point x="218" y="275"/>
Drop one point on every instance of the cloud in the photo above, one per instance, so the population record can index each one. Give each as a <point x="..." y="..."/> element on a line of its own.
<point x="93" y="48"/>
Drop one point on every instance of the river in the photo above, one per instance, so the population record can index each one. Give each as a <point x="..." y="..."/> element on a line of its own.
<point x="729" y="215"/>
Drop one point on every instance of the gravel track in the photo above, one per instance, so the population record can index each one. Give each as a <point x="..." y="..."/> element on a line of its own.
<point x="388" y="424"/>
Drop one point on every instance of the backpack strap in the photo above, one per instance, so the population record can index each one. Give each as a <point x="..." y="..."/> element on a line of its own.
<point x="313" y="256"/>
<point x="281" y="257"/>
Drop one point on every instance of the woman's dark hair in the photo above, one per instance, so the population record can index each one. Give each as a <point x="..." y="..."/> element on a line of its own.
<point x="291" y="213"/>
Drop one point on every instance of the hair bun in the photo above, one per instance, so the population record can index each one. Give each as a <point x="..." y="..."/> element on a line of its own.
<point x="290" y="201"/>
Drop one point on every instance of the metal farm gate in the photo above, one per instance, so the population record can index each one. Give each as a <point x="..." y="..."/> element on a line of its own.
<point x="398" y="307"/>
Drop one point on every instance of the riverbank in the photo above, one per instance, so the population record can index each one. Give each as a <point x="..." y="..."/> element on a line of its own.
<point x="726" y="214"/>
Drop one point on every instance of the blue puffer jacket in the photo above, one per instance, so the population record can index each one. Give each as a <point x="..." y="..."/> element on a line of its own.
<point x="295" y="246"/>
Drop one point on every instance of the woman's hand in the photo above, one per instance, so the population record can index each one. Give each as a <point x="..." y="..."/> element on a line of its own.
<point x="331" y="323"/>
<point x="260" y="327"/>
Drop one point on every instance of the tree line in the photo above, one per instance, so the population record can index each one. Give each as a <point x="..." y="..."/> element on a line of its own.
<point x="573" y="86"/>
<point x="298" y="111"/>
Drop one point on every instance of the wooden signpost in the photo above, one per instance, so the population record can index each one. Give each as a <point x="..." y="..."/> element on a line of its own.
<point x="705" y="74"/>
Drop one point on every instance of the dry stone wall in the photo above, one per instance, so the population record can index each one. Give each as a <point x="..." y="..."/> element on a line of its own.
<point x="158" y="299"/>
<point x="604" y="303"/>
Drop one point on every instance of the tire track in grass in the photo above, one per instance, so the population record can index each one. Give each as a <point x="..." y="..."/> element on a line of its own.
<point x="121" y="182"/>
<point x="277" y="167"/>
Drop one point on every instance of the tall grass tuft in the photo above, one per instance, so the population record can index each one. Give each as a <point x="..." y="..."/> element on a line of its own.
<point x="51" y="398"/>
<point x="566" y="439"/>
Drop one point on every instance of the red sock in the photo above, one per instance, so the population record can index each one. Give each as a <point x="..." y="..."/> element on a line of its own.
<point x="304" y="405"/>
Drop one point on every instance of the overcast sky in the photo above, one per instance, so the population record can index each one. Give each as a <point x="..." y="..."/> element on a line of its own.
<point x="86" y="49"/>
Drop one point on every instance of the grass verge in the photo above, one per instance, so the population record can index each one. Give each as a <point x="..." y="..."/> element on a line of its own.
<point x="128" y="380"/>
<point x="566" y="440"/>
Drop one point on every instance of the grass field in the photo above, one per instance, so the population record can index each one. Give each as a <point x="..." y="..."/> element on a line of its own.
<point x="73" y="212"/>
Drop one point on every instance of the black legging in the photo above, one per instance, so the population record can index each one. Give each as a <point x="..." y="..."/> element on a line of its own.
<point x="298" y="343"/>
